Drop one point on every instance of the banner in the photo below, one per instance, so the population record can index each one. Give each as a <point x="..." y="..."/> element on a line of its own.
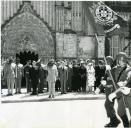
<point x="105" y="16"/>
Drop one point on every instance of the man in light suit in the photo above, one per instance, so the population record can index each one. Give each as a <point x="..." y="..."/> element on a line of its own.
<point x="9" y="75"/>
<point x="51" y="77"/>
<point x="18" y="75"/>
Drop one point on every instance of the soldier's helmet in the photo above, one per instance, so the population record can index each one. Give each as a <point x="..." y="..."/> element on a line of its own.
<point x="109" y="59"/>
<point x="120" y="55"/>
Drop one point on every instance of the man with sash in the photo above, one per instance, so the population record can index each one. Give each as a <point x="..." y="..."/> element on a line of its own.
<point x="107" y="83"/>
<point x="121" y="74"/>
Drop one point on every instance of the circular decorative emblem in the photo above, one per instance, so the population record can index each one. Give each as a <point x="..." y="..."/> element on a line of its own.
<point x="103" y="14"/>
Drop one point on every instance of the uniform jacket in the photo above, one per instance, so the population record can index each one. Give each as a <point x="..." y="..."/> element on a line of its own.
<point x="123" y="77"/>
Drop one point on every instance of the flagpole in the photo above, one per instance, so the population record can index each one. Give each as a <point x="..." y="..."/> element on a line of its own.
<point x="106" y="63"/>
<point x="114" y="82"/>
<point x="105" y="59"/>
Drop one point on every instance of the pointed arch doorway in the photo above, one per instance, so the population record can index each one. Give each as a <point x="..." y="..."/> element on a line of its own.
<point x="27" y="32"/>
<point x="24" y="56"/>
<point x="27" y="55"/>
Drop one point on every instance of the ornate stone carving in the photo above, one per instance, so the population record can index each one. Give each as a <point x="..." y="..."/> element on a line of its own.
<point x="27" y="32"/>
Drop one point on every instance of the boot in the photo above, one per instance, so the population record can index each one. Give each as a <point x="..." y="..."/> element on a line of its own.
<point x="114" y="122"/>
<point x="125" y="121"/>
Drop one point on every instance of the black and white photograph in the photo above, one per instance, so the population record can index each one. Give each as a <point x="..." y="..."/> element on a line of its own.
<point x="65" y="64"/>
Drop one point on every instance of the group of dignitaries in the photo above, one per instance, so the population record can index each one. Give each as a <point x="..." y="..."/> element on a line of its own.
<point x="78" y="76"/>
<point x="68" y="76"/>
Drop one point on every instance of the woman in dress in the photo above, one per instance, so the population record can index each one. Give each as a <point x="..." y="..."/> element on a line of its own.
<point x="90" y="77"/>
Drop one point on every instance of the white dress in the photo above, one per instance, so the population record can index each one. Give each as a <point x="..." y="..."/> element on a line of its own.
<point x="90" y="76"/>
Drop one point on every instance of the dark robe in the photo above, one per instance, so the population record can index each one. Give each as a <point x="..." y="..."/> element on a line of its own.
<point x="83" y="77"/>
<point x="34" y="76"/>
<point x="75" y="79"/>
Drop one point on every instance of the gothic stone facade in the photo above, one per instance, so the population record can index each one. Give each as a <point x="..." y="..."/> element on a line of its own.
<point x="50" y="29"/>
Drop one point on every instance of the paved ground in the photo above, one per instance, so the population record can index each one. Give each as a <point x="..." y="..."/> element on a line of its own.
<point x="26" y="97"/>
<point x="53" y="114"/>
<point x="74" y="110"/>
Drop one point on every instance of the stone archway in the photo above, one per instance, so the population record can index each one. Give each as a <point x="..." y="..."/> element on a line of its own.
<point x="27" y="32"/>
<point x="26" y="56"/>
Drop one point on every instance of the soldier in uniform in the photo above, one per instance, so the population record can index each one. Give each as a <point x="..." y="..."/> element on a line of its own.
<point x="127" y="95"/>
<point x="120" y="75"/>
<point x="108" y="85"/>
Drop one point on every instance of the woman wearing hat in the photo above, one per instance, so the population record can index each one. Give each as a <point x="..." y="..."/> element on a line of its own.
<point x="90" y="77"/>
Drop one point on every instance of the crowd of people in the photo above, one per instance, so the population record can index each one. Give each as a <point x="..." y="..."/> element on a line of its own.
<point x="112" y="77"/>
<point x="71" y="76"/>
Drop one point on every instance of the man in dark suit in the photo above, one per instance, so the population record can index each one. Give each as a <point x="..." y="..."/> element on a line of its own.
<point x="82" y="72"/>
<point x="27" y="76"/>
<point x="34" y="76"/>
<point x="69" y="79"/>
<point x="63" y="75"/>
<point x="75" y="77"/>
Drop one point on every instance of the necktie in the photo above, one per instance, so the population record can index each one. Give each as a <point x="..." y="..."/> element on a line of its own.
<point x="16" y="70"/>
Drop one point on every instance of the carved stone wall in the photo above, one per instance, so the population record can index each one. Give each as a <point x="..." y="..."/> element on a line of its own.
<point x="86" y="47"/>
<point x="26" y="32"/>
<point x="52" y="12"/>
<point x="66" y="45"/>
